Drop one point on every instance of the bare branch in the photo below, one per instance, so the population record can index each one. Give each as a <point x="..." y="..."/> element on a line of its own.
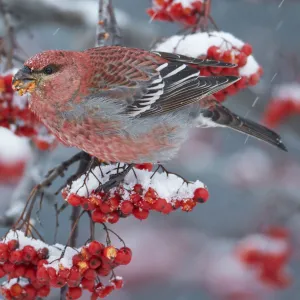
<point x="108" y="32"/>
<point x="9" y="35"/>
<point x="31" y="12"/>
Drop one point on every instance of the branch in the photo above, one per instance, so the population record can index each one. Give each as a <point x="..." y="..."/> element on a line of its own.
<point x="39" y="189"/>
<point x="31" y="12"/>
<point x="108" y="32"/>
<point x="9" y="35"/>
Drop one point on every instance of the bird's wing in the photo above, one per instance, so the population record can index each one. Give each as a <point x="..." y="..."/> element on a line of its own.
<point x="153" y="83"/>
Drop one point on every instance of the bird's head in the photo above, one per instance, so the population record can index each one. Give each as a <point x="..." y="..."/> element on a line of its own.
<point x="50" y="74"/>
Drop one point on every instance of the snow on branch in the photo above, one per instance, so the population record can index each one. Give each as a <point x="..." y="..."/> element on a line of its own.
<point x="139" y="193"/>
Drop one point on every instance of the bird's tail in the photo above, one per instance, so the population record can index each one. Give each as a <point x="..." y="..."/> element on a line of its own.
<point x="224" y="117"/>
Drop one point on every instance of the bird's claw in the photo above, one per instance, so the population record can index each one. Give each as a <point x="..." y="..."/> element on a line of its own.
<point x="115" y="180"/>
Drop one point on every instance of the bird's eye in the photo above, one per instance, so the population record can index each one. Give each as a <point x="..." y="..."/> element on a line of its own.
<point x="48" y="70"/>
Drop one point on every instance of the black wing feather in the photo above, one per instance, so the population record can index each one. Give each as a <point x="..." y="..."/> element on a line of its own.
<point x="172" y="57"/>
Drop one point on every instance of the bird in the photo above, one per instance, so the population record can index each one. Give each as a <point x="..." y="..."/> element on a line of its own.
<point x="129" y="105"/>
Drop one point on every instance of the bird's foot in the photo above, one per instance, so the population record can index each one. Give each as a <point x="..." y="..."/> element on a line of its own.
<point x="115" y="179"/>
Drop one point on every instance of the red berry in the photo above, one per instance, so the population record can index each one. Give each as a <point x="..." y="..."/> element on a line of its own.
<point x="138" y="188"/>
<point x="51" y="272"/>
<point x="110" y="252"/>
<point x="126" y="207"/>
<point x="205" y="72"/>
<point x="254" y="79"/>
<point x="29" y="253"/>
<point x="16" y="256"/>
<point x="167" y="209"/>
<point x="94" y="262"/>
<point x="43" y="253"/>
<point x="16" y="290"/>
<point x="212" y="51"/>
<point x="114" y="203"/>
<point x="12" y="245"/>
<point x="90" y="274"/>
<point x="77" y="258"/>
<point x="3" y="252"/>
<point x="105" y="291"/>
<point x="188" y="205"/>
<point x="75" y="200"/>
<point x="20" y="271"/>
<point x="103" y="271"/>
<point x="117" y="282"/>
<point x="105" y="207"/>
<point x="74" y="293"/>
<point x="227" y="56"/>
<point x="44" y="291"/>
<point x="160" y="204"/>
<point x="58" y="282"/>
<point x="8" y="267"/>
<point x="30" y="274"/>
<point x="64" y="273"/>
<point x="247" y="49"/>
<point x="83" y="266"/>
<point x="113" y="217"/>
<point x="144" y="166"/>
<point x="241" y="83"/>
<point x="123" y="256"/>
<point x="29" y="291"/>
<point x="95" y="248"/>
<point x="140" y="213"/>
<point x="231" y="90"/>
<point x="87" y="284"/>
<point x="201" y="195"/>
<point x="135" y="198"/>
<point x="98" y="216"/>
<point x="151" y="193"/>
<point x="242" y="59"/>
<point x="74" y="274"/>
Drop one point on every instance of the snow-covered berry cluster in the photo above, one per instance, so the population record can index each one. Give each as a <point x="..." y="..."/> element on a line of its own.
<point x="187" y="12"/>
<point x="267" y="255"/>
<point x="16" y="115"/>
<point x="284" y="103"/>
<point x="141" y="192"/>
<point x="33" y="268"/>
<point x="219" y="46"/>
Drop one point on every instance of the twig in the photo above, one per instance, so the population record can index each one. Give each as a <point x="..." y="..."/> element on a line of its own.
<point x="74" y="217"/>
<point x="108" y="32"/>
<point x="9" y="35"/>
<point x="51" y="176"/>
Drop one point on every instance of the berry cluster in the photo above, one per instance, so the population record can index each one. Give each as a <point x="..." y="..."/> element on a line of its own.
<point x="185" y="12"/>
<point x="235" y="55"/>
<point x="284" y="103"/>
<point x="137" y="198"/>
<point x="220" y="46"/>
<point x="268" y="255"/>
<point x="16" y="115"/>
<point x="39" y="267"/>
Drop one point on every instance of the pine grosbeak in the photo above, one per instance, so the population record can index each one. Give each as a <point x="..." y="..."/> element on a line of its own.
<point x="128" y="105"/>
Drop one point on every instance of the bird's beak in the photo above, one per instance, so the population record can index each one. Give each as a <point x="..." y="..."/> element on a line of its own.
<point x="24" y="81"/>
